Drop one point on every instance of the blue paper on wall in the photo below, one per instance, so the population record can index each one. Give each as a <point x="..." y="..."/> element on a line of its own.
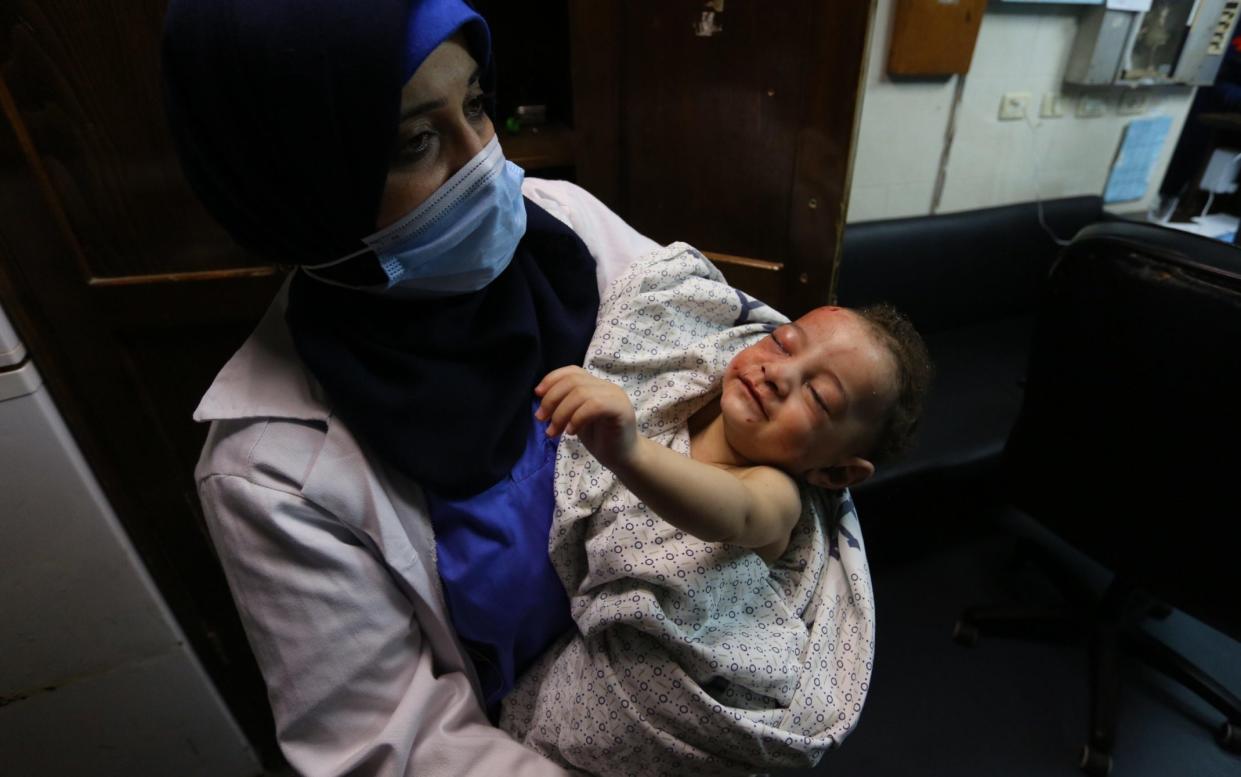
<point x="1131" y="172"/>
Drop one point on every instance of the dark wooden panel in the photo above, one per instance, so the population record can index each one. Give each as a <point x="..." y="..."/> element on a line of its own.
<point x="85" y="86"/>
<point x="532" y="59"/>
<point x="739" y="142"/>
<point x="169" y="368"/>
<point x="832" y="106"/>
<point x="934" y="37"/>
<point x="539" y="148"/>
<point x="596" y="56"/>
<point x="706" y="122"/>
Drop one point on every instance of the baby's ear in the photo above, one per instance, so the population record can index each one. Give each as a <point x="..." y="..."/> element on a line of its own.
<point x="848" y="473"/>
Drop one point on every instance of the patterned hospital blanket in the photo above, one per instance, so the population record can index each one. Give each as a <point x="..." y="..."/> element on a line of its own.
<point x="690" y="657"/>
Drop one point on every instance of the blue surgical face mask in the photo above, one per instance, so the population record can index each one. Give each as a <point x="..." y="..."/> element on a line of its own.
<point x="460" y="239"/>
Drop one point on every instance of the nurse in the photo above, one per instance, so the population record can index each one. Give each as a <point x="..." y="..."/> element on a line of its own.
<point x="385" y="539"/>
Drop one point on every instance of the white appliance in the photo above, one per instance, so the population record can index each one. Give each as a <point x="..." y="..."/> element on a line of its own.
<point x="95" y="676"/>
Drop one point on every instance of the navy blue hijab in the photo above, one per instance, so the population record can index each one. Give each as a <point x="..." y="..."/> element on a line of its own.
<point x="284" y="114"/>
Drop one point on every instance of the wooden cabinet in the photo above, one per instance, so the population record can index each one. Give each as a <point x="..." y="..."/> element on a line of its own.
<point x="934" y="37"/>
<point x="131" y="298"/>
<point x="727" y="125"/>
<point x="730" y="129"/>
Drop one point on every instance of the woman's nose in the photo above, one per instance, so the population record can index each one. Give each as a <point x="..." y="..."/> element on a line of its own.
<point x="467" y="142"/>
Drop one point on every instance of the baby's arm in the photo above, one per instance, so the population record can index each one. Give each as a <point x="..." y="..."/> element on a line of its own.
<point x="755" y="507"/>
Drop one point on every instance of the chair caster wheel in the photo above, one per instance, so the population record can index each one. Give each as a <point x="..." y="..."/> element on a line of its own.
<point x="1096" y="763"/>
<point x="965" y="633"/>
<point x="1229" y="737"/>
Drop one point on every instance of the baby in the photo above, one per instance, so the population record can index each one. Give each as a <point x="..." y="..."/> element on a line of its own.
<point x="726" y="438"/>
<point x="823" y="398"/>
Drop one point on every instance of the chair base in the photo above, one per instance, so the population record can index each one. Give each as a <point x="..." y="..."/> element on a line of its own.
<point x="1113" y="624"/>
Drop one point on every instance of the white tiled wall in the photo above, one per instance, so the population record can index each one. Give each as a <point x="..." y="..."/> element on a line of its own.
<point x="991" y="162"/>
<point x="900" y="139"/>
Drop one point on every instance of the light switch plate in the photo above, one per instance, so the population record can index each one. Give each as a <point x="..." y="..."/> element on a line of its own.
<point x="1014" y="105"/>
<point x="1089" y="107"/>
<point x="1052" y="106"/>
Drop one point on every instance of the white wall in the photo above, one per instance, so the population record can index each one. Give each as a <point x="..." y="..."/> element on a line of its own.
<point x="1021" y="48"/>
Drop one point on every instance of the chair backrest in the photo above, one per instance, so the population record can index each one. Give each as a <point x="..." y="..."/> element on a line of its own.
<point x="1129" y="439"/>
<point x="959" y="269"/>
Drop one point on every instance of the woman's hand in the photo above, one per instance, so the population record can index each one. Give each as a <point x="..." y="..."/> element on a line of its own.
<point x="597" y="411"/>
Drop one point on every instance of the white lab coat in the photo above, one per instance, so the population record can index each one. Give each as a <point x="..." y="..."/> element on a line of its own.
<point x="331" y="561"/>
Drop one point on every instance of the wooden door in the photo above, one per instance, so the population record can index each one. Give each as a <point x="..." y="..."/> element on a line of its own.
<point x="127" y="296"/>
<point x="728" y="125"/>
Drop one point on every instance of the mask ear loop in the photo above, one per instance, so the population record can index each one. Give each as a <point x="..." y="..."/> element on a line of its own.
<point x="309" y="269"/>
<point x="334" y="262"/>
<point x="448" y="189"/>
<point x="362" y="276"/>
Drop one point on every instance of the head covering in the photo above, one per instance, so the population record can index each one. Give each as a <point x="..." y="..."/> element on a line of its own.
<point x="284" y="112"/>
<point x="432" y="23"/>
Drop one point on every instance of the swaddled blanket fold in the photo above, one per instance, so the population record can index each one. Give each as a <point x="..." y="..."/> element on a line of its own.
<point x="690" y="657"/>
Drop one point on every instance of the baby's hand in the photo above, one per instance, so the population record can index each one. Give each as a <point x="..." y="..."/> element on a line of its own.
<point x="597" y="411"/>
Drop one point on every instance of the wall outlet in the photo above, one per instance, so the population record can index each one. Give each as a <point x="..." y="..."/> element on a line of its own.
<point x="1052" y="106"/>
<point x="1014" y="105"/>
<point x="1132" y="102"/>
<point x="1089" y="107"/>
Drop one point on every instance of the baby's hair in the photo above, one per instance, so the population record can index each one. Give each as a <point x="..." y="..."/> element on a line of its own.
<point x="913" y="377"/>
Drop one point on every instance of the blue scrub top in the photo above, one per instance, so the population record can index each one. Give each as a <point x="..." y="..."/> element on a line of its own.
<point x="504" y="597"/>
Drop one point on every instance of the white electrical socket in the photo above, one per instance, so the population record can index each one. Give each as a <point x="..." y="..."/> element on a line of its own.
<point x="1089" y="107"/>
<point x="1014" y="105"/>
<point x="1220" y="175"/>
<point x="1132" y="102"/>
<point x="1052" y="106"/>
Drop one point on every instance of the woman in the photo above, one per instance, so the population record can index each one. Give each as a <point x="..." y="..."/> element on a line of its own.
<point x="374" y="480"/>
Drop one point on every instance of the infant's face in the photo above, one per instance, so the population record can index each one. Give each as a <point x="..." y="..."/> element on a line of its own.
<point x="809" y="395"/>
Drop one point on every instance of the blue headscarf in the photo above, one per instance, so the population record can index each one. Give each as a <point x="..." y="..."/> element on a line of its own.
<point x="284" y="112"/>
<point x="432" y="23"/>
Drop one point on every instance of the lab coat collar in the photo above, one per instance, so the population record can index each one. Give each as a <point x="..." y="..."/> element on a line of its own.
<point x="265" y="378"/>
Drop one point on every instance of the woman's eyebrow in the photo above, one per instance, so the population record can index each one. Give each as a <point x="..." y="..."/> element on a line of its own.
<point x="421" y="108"/>
<point x="435" y="105"/>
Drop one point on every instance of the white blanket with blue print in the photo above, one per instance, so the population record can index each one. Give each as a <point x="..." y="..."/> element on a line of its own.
<point x="690" y="657"/>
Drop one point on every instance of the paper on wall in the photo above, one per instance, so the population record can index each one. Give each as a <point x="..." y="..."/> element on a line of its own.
<point x="1131" y="172"/>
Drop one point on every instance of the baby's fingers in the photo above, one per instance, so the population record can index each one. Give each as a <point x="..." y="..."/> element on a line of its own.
<point x="555" y="387"/>
<point x="565" y="411"/>
<point x="555" y="376"/>
<point x="591" y="409"/>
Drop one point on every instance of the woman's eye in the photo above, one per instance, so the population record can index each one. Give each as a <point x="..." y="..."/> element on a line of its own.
<point x="779" y="344"/>
<point x="416" y="145"/>
<point x="474" y="107"/>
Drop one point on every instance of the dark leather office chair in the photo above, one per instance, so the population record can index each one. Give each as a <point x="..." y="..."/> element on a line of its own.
<point x="1128" y="446"/>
